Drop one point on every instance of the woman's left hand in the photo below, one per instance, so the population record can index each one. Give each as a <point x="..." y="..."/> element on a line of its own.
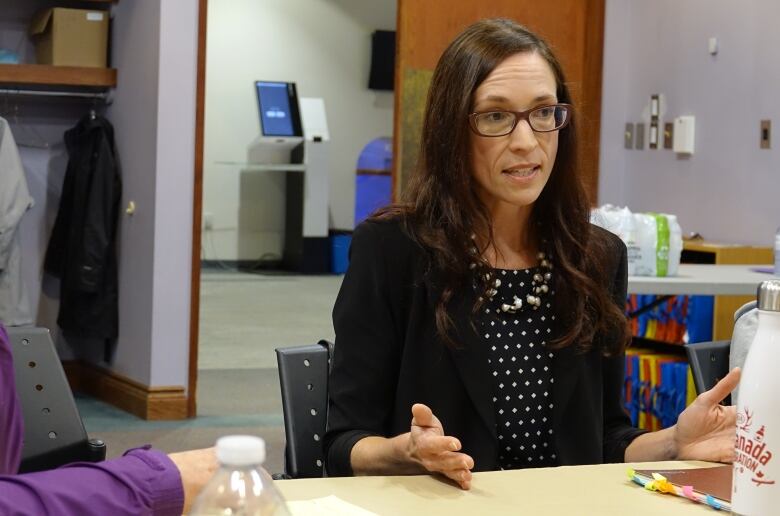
<point x="706" y="430"/>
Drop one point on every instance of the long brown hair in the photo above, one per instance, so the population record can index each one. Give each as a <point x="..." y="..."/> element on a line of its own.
<point x="441" y="210"/>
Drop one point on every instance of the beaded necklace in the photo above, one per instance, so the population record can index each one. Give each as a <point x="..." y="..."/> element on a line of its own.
<point x="539" y="285"/>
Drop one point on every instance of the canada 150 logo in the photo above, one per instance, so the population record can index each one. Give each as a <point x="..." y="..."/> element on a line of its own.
<point x="752" y="453"/>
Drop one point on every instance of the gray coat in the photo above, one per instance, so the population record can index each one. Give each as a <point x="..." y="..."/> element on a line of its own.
<point x="15" y="200"/>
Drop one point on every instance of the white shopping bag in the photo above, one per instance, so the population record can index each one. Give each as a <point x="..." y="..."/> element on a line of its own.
<point x="654" y="240"/>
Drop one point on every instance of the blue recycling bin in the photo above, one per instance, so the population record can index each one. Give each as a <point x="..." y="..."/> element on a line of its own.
<point x="339" y="253"/>
<point x="373" y="182"/>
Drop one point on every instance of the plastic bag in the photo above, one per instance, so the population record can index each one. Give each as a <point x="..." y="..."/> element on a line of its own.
<point x="654" y="240"/>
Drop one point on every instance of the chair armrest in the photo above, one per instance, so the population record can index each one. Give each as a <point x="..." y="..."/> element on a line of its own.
<point x="96" y="450"/>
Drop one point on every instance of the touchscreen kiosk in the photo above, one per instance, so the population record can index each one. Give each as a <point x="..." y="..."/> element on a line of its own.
<point x="281" y="129"/>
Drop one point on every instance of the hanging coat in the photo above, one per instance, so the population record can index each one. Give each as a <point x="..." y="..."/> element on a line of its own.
<point x="82" y="247"/>
<point x="15" y="200"/>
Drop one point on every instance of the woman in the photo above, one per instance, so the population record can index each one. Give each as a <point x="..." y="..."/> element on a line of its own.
<point x="486" y="304"/>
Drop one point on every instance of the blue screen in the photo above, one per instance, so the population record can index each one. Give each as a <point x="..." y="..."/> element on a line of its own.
<point x="275" y="110"/>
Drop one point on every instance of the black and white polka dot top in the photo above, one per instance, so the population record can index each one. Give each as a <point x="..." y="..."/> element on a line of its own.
<point x="521" y="372"/>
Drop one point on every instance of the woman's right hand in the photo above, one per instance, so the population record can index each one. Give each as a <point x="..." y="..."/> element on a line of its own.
<point x="435" y="451"/>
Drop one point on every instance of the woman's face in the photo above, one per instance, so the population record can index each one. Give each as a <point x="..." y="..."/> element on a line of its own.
<point x="513" y="169"/>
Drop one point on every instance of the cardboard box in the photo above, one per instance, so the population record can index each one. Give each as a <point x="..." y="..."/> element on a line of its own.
<point x="70" y="37"/>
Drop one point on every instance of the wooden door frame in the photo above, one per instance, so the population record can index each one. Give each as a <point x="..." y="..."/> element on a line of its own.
<point x="591" y="94"/>
<point x="197" y="211"/>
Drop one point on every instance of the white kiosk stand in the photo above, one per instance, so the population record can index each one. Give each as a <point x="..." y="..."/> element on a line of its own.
<point x="294" y="138"/>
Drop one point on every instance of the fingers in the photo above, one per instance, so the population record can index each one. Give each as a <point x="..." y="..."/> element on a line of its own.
<point x="440" y="453"/>
<point x="451" y="461"/>
<point x="423" y="416"/>
<point x="721" y="389"/>
<point x="436" y="444"/>
<point x="437" y="452"/>
<point x="453" y="465"/>
<point x="461" y="476"/>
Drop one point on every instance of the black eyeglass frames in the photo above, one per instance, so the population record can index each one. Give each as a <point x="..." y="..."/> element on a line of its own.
<point x="500" y="122"/>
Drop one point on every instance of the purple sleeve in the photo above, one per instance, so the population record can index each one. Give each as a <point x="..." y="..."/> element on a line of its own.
<point x="11" y="423"/>
<point x="142" y="482"/>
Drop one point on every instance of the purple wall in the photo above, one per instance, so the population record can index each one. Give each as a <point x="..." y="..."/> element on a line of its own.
<point x="154" y="47"/>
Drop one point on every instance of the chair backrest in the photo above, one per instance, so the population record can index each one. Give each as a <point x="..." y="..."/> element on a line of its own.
<point x="303" y="378"/>
<point x="53" y="431"/>
<point x="709" y="362"/>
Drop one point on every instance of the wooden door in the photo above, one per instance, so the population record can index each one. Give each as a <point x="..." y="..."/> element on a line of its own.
<point x="574" y="29"/>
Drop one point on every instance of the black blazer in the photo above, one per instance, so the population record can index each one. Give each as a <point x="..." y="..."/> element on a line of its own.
<point x="387" y="357"/>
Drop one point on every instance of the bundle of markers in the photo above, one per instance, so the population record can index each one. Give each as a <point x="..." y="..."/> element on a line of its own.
<point x="660" y="484"/>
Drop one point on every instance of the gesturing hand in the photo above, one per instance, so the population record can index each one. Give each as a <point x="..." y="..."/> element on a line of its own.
<point x="706" y="430"/>
<point x="436" y="452"/>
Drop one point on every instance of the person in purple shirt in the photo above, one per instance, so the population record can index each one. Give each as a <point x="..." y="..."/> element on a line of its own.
<point x="143" y="481"/>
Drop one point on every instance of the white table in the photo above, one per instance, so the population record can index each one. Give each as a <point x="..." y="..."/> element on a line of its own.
<point x="708" y="280"/>
<point x="602" y="489"/>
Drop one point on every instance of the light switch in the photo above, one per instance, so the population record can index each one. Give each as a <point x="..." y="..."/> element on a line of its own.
<point x="655" y="105"/>
<point x="639" y="137"/>
<point x="684" y="132"/>
<point x="766" y="134"/>
<point x="653" y="134"/>
<point x="628" y="136"/>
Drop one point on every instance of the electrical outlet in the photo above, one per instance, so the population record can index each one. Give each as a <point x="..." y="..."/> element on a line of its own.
<point x="208" y="221"/>
<point x="766" y="134"/>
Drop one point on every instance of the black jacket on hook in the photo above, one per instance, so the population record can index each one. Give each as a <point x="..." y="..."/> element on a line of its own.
<point x="82" y="248"/>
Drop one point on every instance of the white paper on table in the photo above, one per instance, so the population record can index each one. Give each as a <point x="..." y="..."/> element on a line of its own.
<point x="326" y="506"/>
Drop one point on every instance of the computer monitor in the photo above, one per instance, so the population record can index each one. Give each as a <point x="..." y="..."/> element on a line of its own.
<point x="281" y="129"/>
<point x="278" y="108"/>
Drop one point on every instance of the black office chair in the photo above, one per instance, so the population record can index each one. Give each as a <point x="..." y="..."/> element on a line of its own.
<point x="303" y="378"/>
<point x="709" y="362"/>
<point x="53" y="431"/>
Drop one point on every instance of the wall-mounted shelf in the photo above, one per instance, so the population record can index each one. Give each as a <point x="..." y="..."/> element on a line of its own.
<point x="57" y="76"/>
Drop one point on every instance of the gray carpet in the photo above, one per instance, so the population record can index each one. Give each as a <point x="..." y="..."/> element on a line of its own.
<point x="244" y="317"/>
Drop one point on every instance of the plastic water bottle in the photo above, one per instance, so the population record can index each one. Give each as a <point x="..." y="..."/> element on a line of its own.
<point x="777" y="252"/>
<point x="756" y="487"/>
<point x="240" y="487"/>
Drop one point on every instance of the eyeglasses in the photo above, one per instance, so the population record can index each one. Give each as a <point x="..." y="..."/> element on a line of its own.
<point x="542" y="119"/>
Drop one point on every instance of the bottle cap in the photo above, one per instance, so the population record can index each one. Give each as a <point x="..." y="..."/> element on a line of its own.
<point x="240" y="450"/>
<point x="769" y="296"/>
